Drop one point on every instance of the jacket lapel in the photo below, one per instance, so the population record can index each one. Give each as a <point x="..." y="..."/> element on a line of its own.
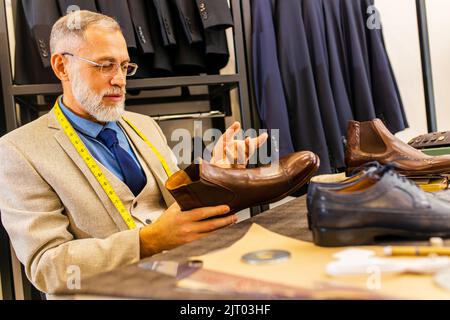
<point x="151" y="159"/>
<point x="68" y="147"/>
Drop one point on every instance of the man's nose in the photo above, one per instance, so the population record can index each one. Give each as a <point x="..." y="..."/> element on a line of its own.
<point x="119" y="79"/>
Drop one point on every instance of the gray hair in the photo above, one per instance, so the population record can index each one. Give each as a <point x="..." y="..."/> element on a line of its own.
<point x="68" y="32"/>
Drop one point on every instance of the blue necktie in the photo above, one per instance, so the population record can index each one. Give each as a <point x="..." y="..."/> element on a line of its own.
<point x="132" y="173"/>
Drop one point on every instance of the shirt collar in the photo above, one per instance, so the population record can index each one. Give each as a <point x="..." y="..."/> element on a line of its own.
<point x="87" y="127"/>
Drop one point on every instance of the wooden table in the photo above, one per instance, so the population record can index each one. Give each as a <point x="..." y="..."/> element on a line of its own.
<point x="137" y="283"/>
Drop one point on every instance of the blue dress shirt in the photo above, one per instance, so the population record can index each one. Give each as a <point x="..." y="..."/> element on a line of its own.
<point x="88" y="132"/>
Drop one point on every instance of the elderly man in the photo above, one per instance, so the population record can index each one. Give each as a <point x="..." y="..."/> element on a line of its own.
<point x="83" y="186"/>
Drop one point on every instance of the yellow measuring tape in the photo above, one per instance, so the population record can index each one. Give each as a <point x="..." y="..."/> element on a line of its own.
<point x="160" y="157"/>
<point x="95" y="169"/>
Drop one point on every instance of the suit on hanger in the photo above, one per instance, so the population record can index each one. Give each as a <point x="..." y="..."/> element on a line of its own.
<point x="269" y="92"/>
<point x="217" y="50"/>
<point x="215" y="14"/>
<point x="216" y="17"/>
<point x="333" y="69"/>
<point x="162" y="60"/>
<point x="306" y="119"/>
<point x="334" y="116"/>
<point x="353" y="27"/>
<point x="166" y="23"/>
<point x="143" y="55"/>
<point x="120" y="11"/>
<point x="212" y="39"/>
<point x="374" y="91"/>
<point x="190" y="20"/>
<point x="338" y="65"/>
<point x="387" y="100"/>
<point x="141" y="25"/>
<point x="34" y="22"/>
<point x="189" y="58"/>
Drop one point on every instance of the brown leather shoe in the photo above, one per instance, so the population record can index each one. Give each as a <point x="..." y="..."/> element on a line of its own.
<point x="372" y="141"/>
<point x="206" y="185"/>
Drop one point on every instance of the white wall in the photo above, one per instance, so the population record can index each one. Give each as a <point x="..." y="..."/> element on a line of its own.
<point x="10" y="21"/>
<point x="439" y="27"/>
<point x="399" y="20"/>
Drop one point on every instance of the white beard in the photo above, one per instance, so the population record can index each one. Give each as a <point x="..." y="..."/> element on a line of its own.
<point x="92" y="102"/>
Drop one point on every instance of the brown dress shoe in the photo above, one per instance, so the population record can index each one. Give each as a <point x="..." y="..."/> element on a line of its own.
<point x="372" y="141"/>
<point x="206" y="185"/>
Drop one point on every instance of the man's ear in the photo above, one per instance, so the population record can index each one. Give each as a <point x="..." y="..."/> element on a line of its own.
<point x="59" y="67"/>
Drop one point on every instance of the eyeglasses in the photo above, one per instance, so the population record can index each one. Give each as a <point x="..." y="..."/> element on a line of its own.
<point x="110" y="68"/>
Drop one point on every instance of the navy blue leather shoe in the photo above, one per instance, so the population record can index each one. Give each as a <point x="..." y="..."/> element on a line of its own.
<point x="356" y="176"/>
<point x="381" y="204"/>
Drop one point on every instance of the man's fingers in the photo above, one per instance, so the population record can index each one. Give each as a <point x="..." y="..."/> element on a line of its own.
<point x="220" y="149"/>
<point x="199" y="236"/>
<point x="261" y="139"/>
<point x="231" y="132"/>
<point x="237" y="151"/>
<point x="242" y="152"/>
<point x="256" y="142"/>
<point x="230" y="153"/>
<point x="215" y="224"/>
<point x="207" y="212"/>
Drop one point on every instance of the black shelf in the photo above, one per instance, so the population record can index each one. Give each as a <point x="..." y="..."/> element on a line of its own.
<point x="6" y="266"/>
<point x="227" y="82"/>
<point x="154" y="83"/>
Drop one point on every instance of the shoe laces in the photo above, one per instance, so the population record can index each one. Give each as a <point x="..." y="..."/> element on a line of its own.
<point x="366" y="167"/>
<point x="391" y="169"/>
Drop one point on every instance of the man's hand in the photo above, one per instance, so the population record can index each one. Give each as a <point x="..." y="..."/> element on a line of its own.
<point x="232" y="153"/>
<point x="175" y="228"/>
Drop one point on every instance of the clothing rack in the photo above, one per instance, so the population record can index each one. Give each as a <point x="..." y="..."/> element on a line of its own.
<point x="226" y="82"/>
<point x="219" y="89"/>
<point x="427" y="71"/>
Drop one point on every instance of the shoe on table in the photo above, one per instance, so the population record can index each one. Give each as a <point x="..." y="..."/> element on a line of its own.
<point x="337" y="181"/>
<point x="382" y="204"/>
<point x="372" y="141"/>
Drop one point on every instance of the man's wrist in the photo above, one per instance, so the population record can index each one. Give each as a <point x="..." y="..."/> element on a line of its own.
<point x="147" y="242"/>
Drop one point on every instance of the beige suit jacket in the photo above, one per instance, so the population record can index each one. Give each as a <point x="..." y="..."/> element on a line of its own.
<point x="59" y="219"/>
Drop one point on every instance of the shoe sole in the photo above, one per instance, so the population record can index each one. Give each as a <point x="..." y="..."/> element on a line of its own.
<point x="349" y="171"/>
<point x="296" y="188"/>
<point x="422" y="173"/>
<point x="325" y="237"/>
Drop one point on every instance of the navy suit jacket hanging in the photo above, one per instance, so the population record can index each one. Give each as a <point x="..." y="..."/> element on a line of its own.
<point x="333" y="69"/>
<point x="269" y="91"/>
